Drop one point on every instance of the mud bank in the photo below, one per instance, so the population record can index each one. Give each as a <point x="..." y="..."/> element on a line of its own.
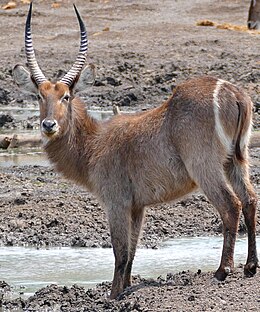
<point x="39" y="208"/>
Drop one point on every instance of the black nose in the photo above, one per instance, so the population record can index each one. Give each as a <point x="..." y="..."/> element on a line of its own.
<point x="49" y="125"/>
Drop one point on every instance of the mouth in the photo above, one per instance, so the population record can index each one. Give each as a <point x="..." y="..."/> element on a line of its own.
<point x="50" y="133"/>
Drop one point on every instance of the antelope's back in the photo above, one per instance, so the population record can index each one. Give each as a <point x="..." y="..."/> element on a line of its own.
<point x="207" y="114"/>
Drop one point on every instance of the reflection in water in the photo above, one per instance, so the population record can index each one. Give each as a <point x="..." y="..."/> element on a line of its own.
<point x="33" y="269"/>
<point x="8" y="159"/>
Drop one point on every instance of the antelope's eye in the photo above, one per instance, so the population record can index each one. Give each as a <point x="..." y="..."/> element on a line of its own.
<point x="38" y="97"/>
<point x="66" y="97"/>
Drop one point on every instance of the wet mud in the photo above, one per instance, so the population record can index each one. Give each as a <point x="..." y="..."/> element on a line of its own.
<point x="142" y="50"/>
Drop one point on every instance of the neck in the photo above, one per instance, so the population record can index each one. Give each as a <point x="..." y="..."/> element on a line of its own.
<point x="71" y="150"/>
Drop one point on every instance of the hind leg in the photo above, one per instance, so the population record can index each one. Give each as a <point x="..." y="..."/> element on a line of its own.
<point x="212" y="181"/>
<point x="238" y="175"/>
<point x="229" y="207"/>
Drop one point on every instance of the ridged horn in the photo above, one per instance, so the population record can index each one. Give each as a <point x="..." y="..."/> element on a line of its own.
<point x="81" y="58"/>
<point x="31" y="59"/>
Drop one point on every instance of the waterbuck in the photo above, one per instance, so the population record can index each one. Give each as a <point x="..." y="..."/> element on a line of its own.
<point x="198" y="138"/>
<point x="253" y="21"/>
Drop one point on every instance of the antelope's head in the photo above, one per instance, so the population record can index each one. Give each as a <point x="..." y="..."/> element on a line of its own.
<point x="55" y="99"/>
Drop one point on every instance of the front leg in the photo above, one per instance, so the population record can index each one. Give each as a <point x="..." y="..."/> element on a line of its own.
<point x="120" y="231"/>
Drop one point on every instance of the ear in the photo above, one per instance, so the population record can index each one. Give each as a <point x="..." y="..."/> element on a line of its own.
<point x="86" y="78"/>
<point x="23" y="79"/>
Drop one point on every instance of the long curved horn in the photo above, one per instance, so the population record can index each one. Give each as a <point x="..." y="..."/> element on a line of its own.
<point x="81" y="58"/>
<point x="31" y="59"/>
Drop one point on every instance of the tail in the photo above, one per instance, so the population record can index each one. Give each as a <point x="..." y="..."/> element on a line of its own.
<point x="244" y="129"/>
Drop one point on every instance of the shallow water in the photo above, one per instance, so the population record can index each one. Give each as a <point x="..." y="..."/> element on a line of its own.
<point x="23" y="157"/>
<point x="29" y="269"/>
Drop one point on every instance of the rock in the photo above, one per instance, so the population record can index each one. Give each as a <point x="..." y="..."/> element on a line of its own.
<point x="99" y="83"/>
<point x="4" y="286"/>
<point x="132" y="96"/>
<point x="29" y="125"/>
<point x="257" y="107"/>
<point x="5" y="142"/>
<point x="113" y="82"/>
<point x="4" y="96"/>
<point x="125" y="101"/>
<point x="191" y="298"/>
<point x="19" y="201"/>
<point x="5" y="118"/>
<point x="53" y="223"/>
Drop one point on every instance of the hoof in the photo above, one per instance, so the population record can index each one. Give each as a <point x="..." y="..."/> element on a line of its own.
<point x="250" y="269"/>
<point x="113" y="296"/>
<point x="221" y="274"/>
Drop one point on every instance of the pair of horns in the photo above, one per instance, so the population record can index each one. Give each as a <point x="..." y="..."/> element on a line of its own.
<point x="35" y="70"/>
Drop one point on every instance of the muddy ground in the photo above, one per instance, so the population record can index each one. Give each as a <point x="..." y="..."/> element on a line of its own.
<point x="142" y="49"/>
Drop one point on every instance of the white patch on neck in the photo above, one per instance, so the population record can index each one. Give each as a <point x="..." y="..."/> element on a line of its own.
<point x="224" y="138"/>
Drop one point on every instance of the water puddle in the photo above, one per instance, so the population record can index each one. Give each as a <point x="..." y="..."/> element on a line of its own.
<point x="29" y="269"/>
<point x="23" y="157"/>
